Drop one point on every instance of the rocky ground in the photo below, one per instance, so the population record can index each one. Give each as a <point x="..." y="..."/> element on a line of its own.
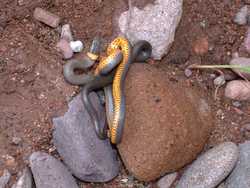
<point x="33" y="89"/>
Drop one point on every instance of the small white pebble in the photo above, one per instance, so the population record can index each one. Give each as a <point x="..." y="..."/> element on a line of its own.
<point x="203" y="23"/>
<point x="212" y="76"/>
<point x="76" y="46"/>
<point x="52" y="149"/>
<point x="41" y="96"/>
<point x="124" y="180"/>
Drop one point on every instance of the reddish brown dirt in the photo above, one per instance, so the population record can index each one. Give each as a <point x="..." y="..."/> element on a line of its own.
<point x="33" y="90"/>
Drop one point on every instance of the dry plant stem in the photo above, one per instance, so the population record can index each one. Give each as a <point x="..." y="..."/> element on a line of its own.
<point x="247" y="69"/>
<point x="243" y="68"/>
<point x="216" y="92"/>
<point x="195" y="66"/>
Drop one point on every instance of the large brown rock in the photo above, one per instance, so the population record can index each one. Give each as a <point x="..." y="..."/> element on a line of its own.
<point x="167" y="123"/>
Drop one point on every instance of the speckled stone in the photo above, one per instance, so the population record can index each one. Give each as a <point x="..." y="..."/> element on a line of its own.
<point x="210" y="168"/>
<point x="167" y="180"/>
<point x="238" y="90"/>
<point x="155" y="23"/>
<point x="167" y="123"/>
<point x="240" y="177"/>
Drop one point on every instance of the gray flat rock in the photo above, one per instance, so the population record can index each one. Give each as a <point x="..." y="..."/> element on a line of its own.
<point x="155" y="23"/>
<point x="49" y="172"/>
<point x="26" y="180"/>
<point x="167" y="180"/>
<point x="211" y="168"/>
<point x="4" y="179"/>
<point x="240" y="177"/>
<point x="89" y="158"/>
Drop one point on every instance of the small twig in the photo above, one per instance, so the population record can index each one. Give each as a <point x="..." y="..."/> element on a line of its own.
<point x="240" y="67"/>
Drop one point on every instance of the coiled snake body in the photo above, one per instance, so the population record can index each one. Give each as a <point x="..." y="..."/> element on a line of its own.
<point x="112" y="69"/>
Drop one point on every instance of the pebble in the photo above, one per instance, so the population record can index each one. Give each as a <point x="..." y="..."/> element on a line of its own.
<point x="93" y="160"/>
<point x="155" y="23"/>
<point x="76" y="46"/>
<point x="238" y="90"/>
<point x="20" y="2"/>
<point x="16" y="140"/>
<point x="167" y="181"/>
<point x="5" y="178"/>
<point x="243" y="62"/>
<point x="47" y="17"/>
<point x="236" y="104"/>
<point x="26" y="180"/>
<point x="66" y="33"/>
<point x="240" y="177"/>
<point x="219" y="81"/>
<point x="210" y="168"/>
<point x="188" y="73"/>
<point x="49" y="172"/>
<point x="3" y="22"/>
<point x="241" y="16"/>
<point x="65" y="49"/>
<point x="200" y="46"/>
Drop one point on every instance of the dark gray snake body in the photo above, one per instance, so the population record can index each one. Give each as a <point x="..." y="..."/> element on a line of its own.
<point x="140" y="52"/>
